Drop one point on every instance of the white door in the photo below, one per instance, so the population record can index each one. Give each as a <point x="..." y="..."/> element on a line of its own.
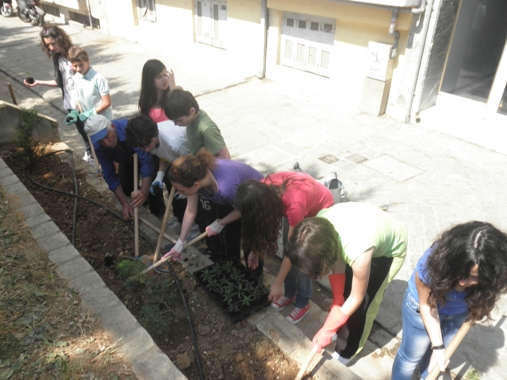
<point x="307" y="42"/>
<point x="211" y="22"/>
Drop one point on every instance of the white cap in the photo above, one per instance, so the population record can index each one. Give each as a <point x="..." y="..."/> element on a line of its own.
<point x="96" y="127"/>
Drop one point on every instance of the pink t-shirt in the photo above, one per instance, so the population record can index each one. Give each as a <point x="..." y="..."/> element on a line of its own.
<point x="158" y="115"/>
<point x="303" y="197"/>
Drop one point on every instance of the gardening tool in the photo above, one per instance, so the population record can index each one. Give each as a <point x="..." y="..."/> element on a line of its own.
<point x="11" y="91"/>
<point x="435" y="372"/>
<point x="309" y="359"/>
<point x="136" y="210"/>
<point x="156" y="229"/>
<point x="162" y="261"/>
<point x="164" y="222"/>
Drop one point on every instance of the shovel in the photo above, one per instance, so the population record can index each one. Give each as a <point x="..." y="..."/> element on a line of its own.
<point x="162" y="226"/>
<point x="162" y="261"/>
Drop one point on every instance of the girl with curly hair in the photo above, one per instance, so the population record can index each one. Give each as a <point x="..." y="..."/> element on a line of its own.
<point x="156" y="82"/>
<point x="55" y="43"/>
<point x="210" y="185"/>
<point x="263" y="204"/>
<point x="460" y="277"/>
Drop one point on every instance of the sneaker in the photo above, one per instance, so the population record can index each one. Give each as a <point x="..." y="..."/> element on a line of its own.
<point x="91" y="162"/>
<point x="87" y="157"/>
<point x="282" y="302"/>
<point x="174" y="224"/>
<point x="341" y="359"/>
<point x="297" y="314"/>
<point x="194" y="232"/>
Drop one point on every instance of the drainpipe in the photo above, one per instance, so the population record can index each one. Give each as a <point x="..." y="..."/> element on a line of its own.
<point x="264" y="36"/>
<point x="424" y="31"/>
<point x="89" y="13"/>
<point x="394" y="32"/>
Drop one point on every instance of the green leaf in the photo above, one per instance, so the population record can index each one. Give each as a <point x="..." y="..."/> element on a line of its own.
<point x="6" y="373"/>
<point x="60" y="343"/>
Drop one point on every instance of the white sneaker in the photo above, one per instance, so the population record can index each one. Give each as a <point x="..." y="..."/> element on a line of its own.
<point x="174" y="225"/>
<point x="87" y="157"/>
<point x="341" y="359"/>
<point x="194" y="232"/>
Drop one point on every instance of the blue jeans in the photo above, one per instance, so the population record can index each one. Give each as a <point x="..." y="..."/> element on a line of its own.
<point x="299" y="285"/>
<point x="415" y="343"/>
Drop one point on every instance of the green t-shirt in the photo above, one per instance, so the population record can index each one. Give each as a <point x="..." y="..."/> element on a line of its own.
<point x="362" y="226"/>
<point x="204" y="133"/>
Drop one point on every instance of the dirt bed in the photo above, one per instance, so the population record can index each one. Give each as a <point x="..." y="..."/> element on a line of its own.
<point x="227" y="350"/>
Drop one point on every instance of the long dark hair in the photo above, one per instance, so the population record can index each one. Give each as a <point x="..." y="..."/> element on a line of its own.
<point x="261" y="207"/>
<point x="456" y="252"/>
<point x="149" y="96"/>
<point x="186" y="170"/>
<point x="261" y="216"/>
<point x="59" y="35"/>
<point x="314" y="247"/>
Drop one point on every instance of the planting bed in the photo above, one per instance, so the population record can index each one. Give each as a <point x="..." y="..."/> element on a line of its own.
<point x="227" y="350"/>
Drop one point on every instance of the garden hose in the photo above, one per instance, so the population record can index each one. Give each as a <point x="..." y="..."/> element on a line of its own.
<point x="171" y="271"/>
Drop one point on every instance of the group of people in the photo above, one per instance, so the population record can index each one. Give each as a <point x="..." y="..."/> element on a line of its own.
<point x="358" y="246"/>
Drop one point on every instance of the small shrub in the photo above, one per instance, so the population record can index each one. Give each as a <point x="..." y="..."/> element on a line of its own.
<point x="28" y="119"/>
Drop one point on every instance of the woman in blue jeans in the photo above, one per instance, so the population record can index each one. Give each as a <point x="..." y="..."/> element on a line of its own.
<point x="459" y="277"/>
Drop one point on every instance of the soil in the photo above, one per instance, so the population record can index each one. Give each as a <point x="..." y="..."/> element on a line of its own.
<point x="227" y="350"/>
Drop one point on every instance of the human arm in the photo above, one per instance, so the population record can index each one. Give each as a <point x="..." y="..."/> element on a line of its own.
<point x="157" y="183"/>
<point x="223" y="153"/>
<point x="186" y="225"/>
<point x="127" y="210"/>
<point x="431" y="321"/>
<point x="218" y="225"/>
<point x="104" y="104"/>
<point x="275" y="292"/>
<point x="340" y="310"/>
<point x="48" y="83"/>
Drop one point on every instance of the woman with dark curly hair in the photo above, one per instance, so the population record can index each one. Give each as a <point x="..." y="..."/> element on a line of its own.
<point x="460" y="277"/>
<point x="216" y="181"/>
<point x="263" y="205"/>
<point x="55" y="43"/>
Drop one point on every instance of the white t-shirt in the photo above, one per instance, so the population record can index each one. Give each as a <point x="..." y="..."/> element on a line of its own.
<point x="173" y="141"/>
<point x="70" y="97"/>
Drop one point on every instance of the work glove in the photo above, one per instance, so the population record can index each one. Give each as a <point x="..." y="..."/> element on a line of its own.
<point x="72" y="117"/>
<point x="336" y="318"/>
<point x="214" y="228"/>
<point x="156" y="186"/>
<point x="175" y="251"/>
<point x="83" y="116"/>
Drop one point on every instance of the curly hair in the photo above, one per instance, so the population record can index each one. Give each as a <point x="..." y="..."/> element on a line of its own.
<point x="140" y="130"/>
<point x="178" y="103"/>
<point x="186" y="170"/>
<point x="314" y="247"/>
<point x="59" y="35"/>
<point x="149" y="96"/>
<point x="456" y="252"/>
<point x="261" y="214"/>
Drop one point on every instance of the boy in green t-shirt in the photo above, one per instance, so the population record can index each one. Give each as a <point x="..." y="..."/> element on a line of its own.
<point x="181" y="107"/>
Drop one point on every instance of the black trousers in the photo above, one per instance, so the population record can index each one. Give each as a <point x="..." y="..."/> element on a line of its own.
<point x="227" y="244"/>
<point x="80" y="128"/>
<point x="126" y="174"/>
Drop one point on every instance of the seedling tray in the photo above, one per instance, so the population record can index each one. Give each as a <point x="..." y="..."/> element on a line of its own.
<point x="236" y="291"/>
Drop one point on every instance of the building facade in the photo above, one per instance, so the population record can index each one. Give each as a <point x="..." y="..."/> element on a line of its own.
<point x="386" y="56"/>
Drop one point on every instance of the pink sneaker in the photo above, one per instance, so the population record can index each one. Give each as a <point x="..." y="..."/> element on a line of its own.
<point x="297" y="314"/>
<point x="282" y="302"/>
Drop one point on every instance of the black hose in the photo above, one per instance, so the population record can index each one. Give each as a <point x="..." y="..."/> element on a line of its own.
<point x="175" y="278"/>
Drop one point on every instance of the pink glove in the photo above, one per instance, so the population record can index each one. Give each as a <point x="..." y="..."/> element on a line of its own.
<point x="214" y="228"/>
<point x="175" y="251"/>
<point x="336" y="318"/>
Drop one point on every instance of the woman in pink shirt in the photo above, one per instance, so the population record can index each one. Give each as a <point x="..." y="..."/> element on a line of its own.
<point x="156" y="82"/>
<point x="263" y="205"/>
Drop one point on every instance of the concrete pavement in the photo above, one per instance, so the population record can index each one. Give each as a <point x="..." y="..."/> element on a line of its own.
<point x="443" y="171"/>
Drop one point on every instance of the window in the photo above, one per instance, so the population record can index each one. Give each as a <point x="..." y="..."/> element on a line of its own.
<point x="290" y="22"/>
<point x="328" y="28"/>
<point x="314" y="26"/>
<point x="301" y="24"/>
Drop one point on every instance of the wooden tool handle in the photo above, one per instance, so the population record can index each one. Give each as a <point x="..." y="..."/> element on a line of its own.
<point x="163" y="225"/>
<point x="136" y="211"/>
<point x="307" y="362"/>
<point x="435" y="372"/>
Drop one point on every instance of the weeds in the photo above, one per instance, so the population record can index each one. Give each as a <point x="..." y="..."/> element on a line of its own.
<point x="28" y="119"/>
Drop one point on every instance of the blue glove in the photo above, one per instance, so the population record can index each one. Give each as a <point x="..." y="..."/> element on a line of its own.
<point x="72" y="117"/>
<point x="83" y="116"/>
<point x="156" y="186"/>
